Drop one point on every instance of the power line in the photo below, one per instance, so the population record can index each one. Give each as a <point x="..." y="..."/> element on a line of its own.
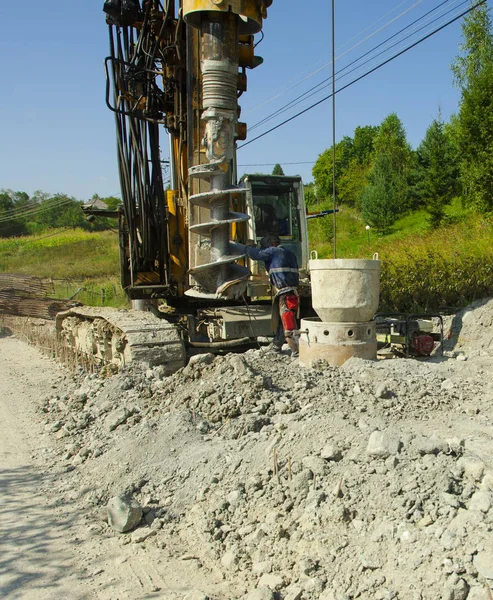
<point x="347" y="51"/>
<point x="413" y="45"/>
<point x="34" y="210"/>
<point x="326" y="82"/>
<point x="305" y="162"/>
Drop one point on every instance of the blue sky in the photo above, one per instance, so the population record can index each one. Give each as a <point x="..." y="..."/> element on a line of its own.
<point x="58" y="136"/>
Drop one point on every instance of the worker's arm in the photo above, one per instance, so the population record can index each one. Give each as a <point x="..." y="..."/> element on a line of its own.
<point x="258" y="253"/>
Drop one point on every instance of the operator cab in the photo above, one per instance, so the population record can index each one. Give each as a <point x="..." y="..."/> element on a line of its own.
<point x="276" y="205"/>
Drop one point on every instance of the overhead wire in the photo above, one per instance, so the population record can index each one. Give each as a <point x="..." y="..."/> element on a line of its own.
<point x="369" y="72"/>
<point x="326" y="82"/>
<point x="310" y="75"/>
<point x="34" y="210"/>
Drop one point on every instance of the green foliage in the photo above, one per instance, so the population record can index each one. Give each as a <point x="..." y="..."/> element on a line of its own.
<point x="277" y="170"/>
<point x="445" y="270"/>
<point x="353" y="160"/>
<point x="79" y="262"/>
<point x="386" y="196"/>
<point x="309" y="193"/>
<point x="436" y="173"/>
<point x="476" y="141"/>
<point x="477" y="47"/>
<point x="22" y="215"/>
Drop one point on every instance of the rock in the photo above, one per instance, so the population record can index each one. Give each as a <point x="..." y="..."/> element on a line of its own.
<point x="331" y="452"/>
<point x="315" y="464"/>
<point x="455" y="589"/>
<point x="425" y="445"/>
<point x="383" y="390"/>
<point x="383" y="444"/>
<point x="471" y="467"/>
<point x="116" y="418"/>
<point x="302" y="480"/>
<point x="141" y="535"/>
<point x="124" y="513"/>
<point x="273" y="581"/>
<point x="196" y="595"/>
<point x="259" y="568"/>
<point x="483" y="561"/>
<point x="327" y="595"/>
<point x="229" y="560"/>
<point x="478" y="593"/>
<point x="293" y="592"/>
<point x="261" y="593"/>
<point x="201" y="359"/>
<point x="481" y="501"/>
<point x="313" y="585"/>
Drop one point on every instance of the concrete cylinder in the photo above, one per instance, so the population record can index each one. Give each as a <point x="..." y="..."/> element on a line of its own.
<point x="345" y="290"/>
<point x="335" y="343"/>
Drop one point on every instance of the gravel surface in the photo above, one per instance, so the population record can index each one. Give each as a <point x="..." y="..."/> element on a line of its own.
<point x="256" y="478"/>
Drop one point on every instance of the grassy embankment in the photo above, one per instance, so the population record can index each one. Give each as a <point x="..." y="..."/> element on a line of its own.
<point x="73" y="259"/>
<point x="422" y="270"/>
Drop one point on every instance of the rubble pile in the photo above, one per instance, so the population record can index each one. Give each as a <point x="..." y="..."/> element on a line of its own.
<point x="374" y="480"/>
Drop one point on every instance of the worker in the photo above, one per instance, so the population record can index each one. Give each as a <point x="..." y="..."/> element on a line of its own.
<point x="282" y="267"/>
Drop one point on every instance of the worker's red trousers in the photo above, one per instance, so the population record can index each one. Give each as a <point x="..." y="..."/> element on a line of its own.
<point x="289" y="308"/>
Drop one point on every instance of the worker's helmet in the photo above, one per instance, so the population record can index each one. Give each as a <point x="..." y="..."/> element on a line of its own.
<point x="272" y="239"/>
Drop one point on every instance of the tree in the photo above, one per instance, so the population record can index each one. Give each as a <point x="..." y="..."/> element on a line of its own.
<point x="380" y="200"/>
<point x="436" y="171"/>
<point x="477" y="47"/>
<point x="323" y="171"/>
<point x="476" y="142"/>
<point x="473" y="73"/>
<point x="277" y="170"/>
<point x="386" y="196"/>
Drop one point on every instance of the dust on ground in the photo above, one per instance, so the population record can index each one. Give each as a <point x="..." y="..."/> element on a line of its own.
<point x="260" y="479"/>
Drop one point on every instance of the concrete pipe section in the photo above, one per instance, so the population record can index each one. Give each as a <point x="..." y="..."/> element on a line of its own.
<point x="345" y="296"/>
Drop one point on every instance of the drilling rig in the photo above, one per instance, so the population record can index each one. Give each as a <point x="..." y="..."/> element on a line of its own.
<point x="175" y="73"/>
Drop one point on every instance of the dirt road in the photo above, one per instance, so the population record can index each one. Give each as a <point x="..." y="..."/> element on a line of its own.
<point x="36" y="545"/>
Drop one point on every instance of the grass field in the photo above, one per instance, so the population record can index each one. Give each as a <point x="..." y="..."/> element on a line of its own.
<point x="81" y="264"/>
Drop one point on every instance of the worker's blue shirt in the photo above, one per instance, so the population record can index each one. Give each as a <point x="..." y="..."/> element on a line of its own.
<point x="281" y="264"/>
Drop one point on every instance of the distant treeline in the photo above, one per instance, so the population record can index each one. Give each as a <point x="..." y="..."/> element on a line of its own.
<point x="21" y="214"/>
<point x="378" y="172"/>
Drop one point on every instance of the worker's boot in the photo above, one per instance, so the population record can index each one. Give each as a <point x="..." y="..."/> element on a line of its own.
<point x="293" y="345"/>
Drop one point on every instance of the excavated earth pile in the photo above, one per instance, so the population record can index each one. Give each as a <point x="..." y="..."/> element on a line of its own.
<point x="374" y="480"/>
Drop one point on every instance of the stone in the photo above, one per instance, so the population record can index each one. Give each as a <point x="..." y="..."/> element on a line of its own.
<point x="313" y="585"/>
<point x="201" y="359"/>
<point x="481" y="501"/>
<point x="478" y="593"/>
<point x="383" y="444"/>
<point x="327" y="595"/>
<point x="141" y="535"/>
<point x="293" y="592"/>
<point x="229" y="560"/>
<point x="315" y="464"/>
<point x="429" y="445"/>
<point x="116" y="418"/>
<point x="331" y="452"/>
<point x="273" y="581"/>
<point x="264" y="566"/>
<point x="455" y="589"/>
<point x="261" y="593"/>
<point x="483" y="561"/>
<point x="383" y="390"/>
<point x="472" y="467"/>
<point x="124" y="513"/>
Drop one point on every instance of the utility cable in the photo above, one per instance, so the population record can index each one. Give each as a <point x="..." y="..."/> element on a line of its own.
<point x="309" y="76"/>
<point x="33" y="211"/>
<point x="369" y="72"/>
<point x="326" y="82"/>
